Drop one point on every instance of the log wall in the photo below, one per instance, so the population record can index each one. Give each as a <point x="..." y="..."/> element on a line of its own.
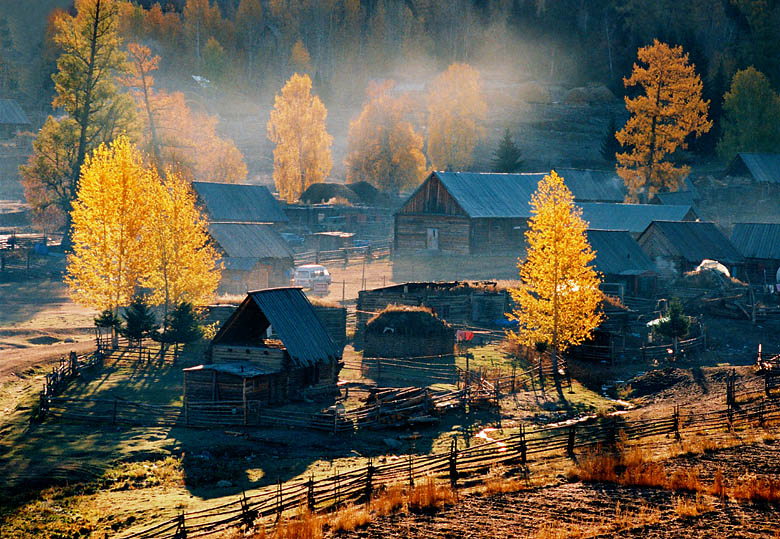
<point x="270" y="358"/>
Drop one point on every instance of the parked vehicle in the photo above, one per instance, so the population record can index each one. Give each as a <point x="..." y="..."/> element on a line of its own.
<point x="310" y="275"/>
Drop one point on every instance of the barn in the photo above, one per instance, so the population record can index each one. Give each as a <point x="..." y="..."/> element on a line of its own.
<point x="622" y="261"/>
<point x="239" y="203"/>
<point x="254" y="256"/>
<point x="248" y="365"/>
<point x="12" y="118"/>
<point x="677" y="247"/>
<point x="759" y="243"/>
<point x="758" y="167"/>
<point x="484" y="213"/>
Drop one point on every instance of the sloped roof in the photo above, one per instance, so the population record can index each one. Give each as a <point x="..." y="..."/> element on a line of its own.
<point x="12" y="113"/>
<point x="757" y="240"/>
<point x="618" y="253"/>
<point x="632" y="217"/>
<point x="249" y="242"/>
<point x="494" y="195"/>
<point x="293" y="318"/>
<point x="763" y="167"/>
<point x="239" y="203"/>
<point x="677" y="198"/>
<point x="696" y="241"/>
<point x="593" y="185"/>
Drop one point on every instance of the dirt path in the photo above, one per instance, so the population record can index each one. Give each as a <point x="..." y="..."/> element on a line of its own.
<point x="14" y="362"/>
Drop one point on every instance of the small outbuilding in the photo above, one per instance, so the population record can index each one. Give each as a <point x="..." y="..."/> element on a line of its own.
<point x="239" y="203"/>
<point x="758" y="167"/>
<point x="677" y="247"/>
<point x="622" y="261"/>
<point x="12" y="118"/>
<point x="759" y="243"/>
<point x="246" y="364"/>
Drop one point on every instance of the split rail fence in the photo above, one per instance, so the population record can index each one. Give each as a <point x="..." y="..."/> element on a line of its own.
<point x="345" y="254"/>
<point x="519" y="450"/>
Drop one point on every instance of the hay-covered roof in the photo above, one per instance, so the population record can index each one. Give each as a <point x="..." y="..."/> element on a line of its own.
<point x="408" y="321"/>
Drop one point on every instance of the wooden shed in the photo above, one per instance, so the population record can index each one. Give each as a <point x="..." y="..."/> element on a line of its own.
<point x="246" y="361"/>
<point x="677" y="247"/>
<point x="254" y="256"/>
<point x="759" y="243"/>
<point x="757" y="167"/>
<point x="622" y="261"/>
<point x="12" y="118"/>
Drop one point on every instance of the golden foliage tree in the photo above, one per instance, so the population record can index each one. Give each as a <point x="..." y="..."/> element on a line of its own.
<point x="456" y="113"/>
<point x="383" y="147"/>
<point x="297" y="127"/>
<point x="669" y="109"/>
<point x="110" y="255"/>
<point x="184" y="262"/>
<point x="558" y="301"/>
<point x="300" y="60"/>
<point x="178" y="137"/>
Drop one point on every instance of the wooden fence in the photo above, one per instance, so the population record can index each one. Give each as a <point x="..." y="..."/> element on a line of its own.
<point x="518" y="450"/>
<point x="60" y="376"/>
<point x="345" y="254"/>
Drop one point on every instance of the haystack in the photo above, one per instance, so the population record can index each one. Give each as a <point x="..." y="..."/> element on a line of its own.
<point x="407" y="332"/>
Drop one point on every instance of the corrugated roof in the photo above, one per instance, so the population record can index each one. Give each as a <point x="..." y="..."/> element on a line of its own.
<point x="249" y="241"/>
<point x="757" y="240"/>
<point x="487" y="194"/>
<point x="618" y="253"/>
<point x="696" y="241"/>
<point x="764" y="167"/>
<point x="594" y="185"/>
<point x="12" y="113"/>
<point x="631" y="217"/>
<point x="239" y="203"/>
<point x="678" y="198"/>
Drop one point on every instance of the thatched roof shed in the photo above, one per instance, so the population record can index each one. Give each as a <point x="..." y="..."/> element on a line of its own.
<point x="404" y="331"/>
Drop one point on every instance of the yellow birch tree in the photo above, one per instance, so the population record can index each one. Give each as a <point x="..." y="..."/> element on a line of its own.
<point x="297" y="127"/>
<point x="184" y="262"/>
<point x="669" y="109"/>
<point x="558" y="301"/>
<point x="382" y="147"/>
<point x="456" y="113"/>
<point x="110" y="255"/>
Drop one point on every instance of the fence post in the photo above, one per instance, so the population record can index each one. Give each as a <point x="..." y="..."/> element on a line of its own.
<point x="310" y="502"/>
<point x="523" y="446"/>
<point x="337" y="482"/>
<point x="278" y="499"/>
<point x="676" y="418"/>
<point x="761" y="414"/>
<point x="369" y="482"/>
<point x="247" y="516"/>
<point x="181" y="528"/>
<point x="411" y="473"/>
<point x="453" y="466"/>
<point x="570" y="442"/>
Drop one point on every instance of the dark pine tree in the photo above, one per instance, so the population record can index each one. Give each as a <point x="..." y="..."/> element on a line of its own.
<point x="507" y="156"/>
<point x="139" y="322"/>
<point x="675" y="324"/>
<point x="610" y="145"/>
<point x="183" y="326"/>
<point x="714" y="89"/>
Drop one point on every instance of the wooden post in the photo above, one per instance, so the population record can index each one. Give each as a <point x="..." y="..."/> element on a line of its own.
<point x="677" y="422"/>
<point x="244" y="400"/>
<point x="411" y="473"/>
<point x="369" y="483"/>
<point x="181" y="528"/>
<point x="278" y="499"/>
<point x="523" y="446"/>
<point x="570" y="442"/>
<point x="343" y="290"/>
<point x="453" y="466"/>
<point x="310" y="502"/>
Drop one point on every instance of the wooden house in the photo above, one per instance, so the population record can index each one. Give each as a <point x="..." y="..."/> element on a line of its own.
<point x="239" y="203"/>
<point x="634" y="218"/>
<point x="254" y="256"/>
<point x="759" y="243"/>
<point x="677" y="247"/>
<point x="329" y="241"/>
<point x="12" y="118"/>
<point x="248" y="365"/>
<point x="757" y="167"/>
<point x="484" y="213"/>
<point x="622" y="261"/>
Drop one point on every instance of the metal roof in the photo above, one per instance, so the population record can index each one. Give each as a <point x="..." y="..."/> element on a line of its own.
<point x="757" y="240"/>
<point x="764" y="167"/>
<point x="293" y="318"/>
<point x="632" y="217"/>
<point x="677" y="198"/>
<point x="494" y="195"/>
<point x="11" y="113"/>
<point x="618" y="253"/>
<point x="249" y="241"/>
<point x="239" y="203"/>
<point x="593" y="185"/>
<point x="696" y="241"/>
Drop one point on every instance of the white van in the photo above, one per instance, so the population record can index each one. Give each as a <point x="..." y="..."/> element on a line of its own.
<point x="310" y="275"/>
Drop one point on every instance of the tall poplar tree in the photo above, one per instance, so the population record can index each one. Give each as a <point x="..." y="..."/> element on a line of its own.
<point x="456" y="114"/>
<point x="668" y="110"/>
<point x="297" y="127"/>
<point x="558" y="301"/>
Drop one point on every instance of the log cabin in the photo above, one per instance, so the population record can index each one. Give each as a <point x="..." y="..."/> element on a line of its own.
<point x="759" y="243"/>
<point x="246" y="364"/>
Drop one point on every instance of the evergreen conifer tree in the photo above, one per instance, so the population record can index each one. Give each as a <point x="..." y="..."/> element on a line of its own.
<point x="610" y="145"/>
<point x="507" y="156"/>
<point x="139" y="322"/>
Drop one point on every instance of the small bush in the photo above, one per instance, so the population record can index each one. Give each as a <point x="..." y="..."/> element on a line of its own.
<point x="349" y="519"/>
<point x="429" y="497"/>
<point x="389" y="501"/>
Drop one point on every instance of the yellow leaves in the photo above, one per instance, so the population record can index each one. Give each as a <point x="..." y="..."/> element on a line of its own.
<point x="383" y="147"/>
<point x="300" y="59"/>
<point x="670" y="109"/>
<point x="131" y="229"/>
<point x="558" y="302"/>
<point x="456" y="112"/>
<point x="297" y="127"/>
